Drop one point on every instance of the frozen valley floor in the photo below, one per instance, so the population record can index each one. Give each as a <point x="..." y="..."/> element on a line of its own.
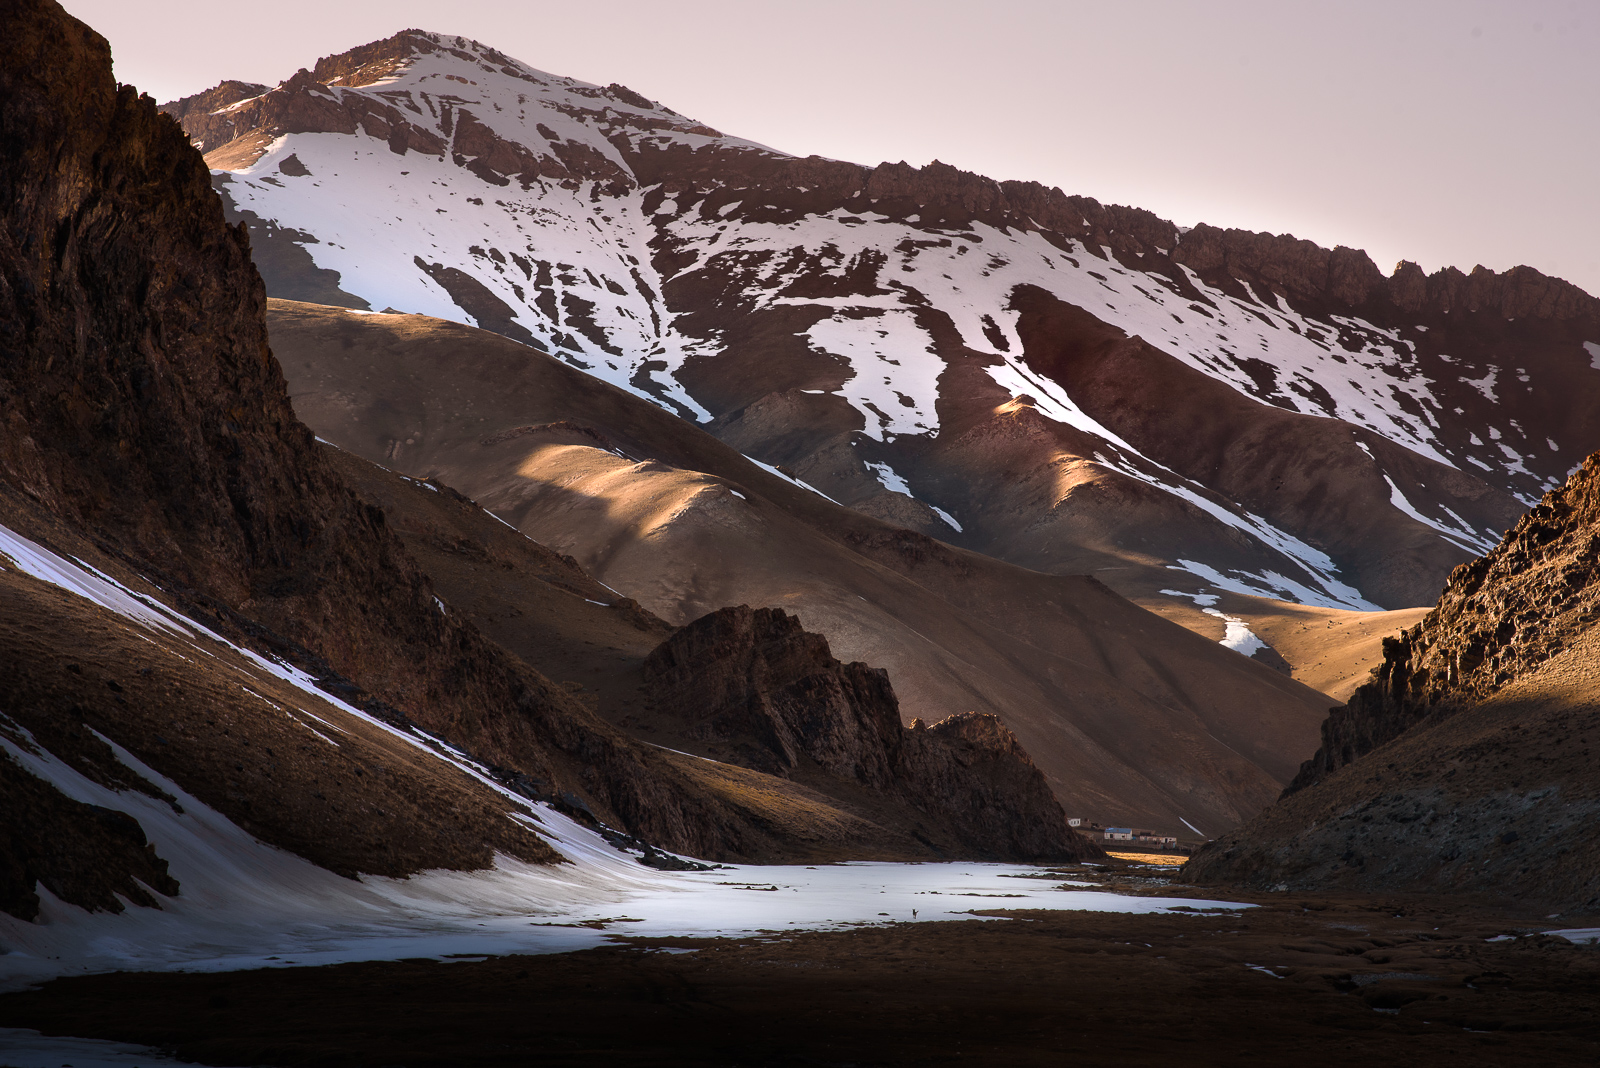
<point x="1298" y="979"/>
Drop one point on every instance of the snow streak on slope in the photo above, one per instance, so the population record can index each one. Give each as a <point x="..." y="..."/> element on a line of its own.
<point x="1458" y="533"/>
<point x="84" y="581"/>
<point x="575" y="275"/>
<point x="1237" y="634"/>
<point x="969" y="276"/>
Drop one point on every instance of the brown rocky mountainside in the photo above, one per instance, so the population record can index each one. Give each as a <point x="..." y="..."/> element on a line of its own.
<point x="1466" y="763"/>
<point x="147" y="429"/>
<point x="1125" y="713"/>
<point x="1065" y="385"/>
<point x="850" y="793"/>
<point x="753" y="677"/>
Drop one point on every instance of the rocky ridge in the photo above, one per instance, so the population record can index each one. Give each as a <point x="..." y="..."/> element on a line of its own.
<point x="756" y="679"/>
<point x="1465" y="764"/>
<point x="1498" y="619"/>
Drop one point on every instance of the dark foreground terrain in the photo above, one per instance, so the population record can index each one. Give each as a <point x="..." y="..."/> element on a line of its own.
<point x="1298" y="981"/>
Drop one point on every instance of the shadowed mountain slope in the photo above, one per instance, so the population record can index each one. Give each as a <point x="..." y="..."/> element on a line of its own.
<point x="1465" y="764"/>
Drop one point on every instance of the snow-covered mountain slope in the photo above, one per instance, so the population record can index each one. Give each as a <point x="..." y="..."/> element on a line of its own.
<point x="894" y="336"/>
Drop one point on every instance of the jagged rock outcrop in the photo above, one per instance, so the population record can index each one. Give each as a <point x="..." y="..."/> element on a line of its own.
<point x="1465" y="764"/>
<point x="755" y="678"/>
<point x="143" y="409"/>
<point x="1500" y="617"/>
<point x="199" y="111"/>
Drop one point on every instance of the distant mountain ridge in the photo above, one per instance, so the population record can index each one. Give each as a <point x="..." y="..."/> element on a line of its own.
<point x="927" y="345"/>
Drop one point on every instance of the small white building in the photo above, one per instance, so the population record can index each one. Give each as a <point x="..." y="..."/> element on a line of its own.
<point x="1119" y="834"/>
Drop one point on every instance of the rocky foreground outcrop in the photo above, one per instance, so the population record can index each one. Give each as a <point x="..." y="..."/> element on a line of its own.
<point x="757" y="680"/>
<point x="144" y="415"/>
<point x="1499" y="619"/>
<point x="1465" y="764"/>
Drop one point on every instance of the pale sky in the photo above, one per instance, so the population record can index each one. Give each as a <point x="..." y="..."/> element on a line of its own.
<point x="1442" y="131"/>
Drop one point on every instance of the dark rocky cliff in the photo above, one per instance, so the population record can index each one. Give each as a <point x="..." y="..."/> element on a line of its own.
<point x="143" y="406"/>
<point x="1500" y="617"/>
<point x="1466" y="763"/>
<point x="142" y="403"/>
<point x="754" y="678"/>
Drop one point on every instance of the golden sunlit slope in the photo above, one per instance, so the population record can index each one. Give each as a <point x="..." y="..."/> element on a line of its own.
<point x="553" y="615"/>
<point x="1329" y="649"/>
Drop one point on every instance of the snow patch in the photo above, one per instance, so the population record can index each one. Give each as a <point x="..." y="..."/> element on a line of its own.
<point x="245" y="904"/>
<point x="896" y="380"/>
<point x="1485" y="385"/>
<point x="769" y="469"/>
<point x="890" y="480"/>
<point x="1237" y="634"/>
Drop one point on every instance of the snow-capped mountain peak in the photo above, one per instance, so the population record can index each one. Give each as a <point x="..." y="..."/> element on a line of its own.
<point x="899" y="307"/>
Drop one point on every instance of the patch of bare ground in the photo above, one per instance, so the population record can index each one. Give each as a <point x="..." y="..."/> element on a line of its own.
<point x="1303" y="980"/>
